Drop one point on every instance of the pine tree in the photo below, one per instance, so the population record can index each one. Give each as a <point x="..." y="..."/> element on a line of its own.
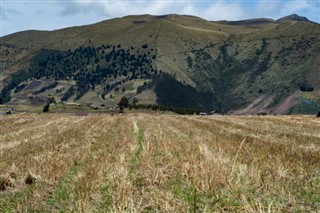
<point x="124" y="103"/>
<point x="46" y="107"/>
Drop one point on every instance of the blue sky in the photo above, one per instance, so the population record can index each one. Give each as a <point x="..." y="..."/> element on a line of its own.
<point x="19" y="15"/>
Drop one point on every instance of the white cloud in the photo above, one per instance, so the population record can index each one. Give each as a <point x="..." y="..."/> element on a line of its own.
<point x="224" y="11"/>
<point x="265" y="8"/>
<point x="212" y="10"/>
<point x="294" y="7"/>
<point x="123" y="8"/>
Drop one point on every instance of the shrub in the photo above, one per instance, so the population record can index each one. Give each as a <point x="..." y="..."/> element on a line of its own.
<point x="306" y="88"/>
<point x="190" y="62"/>
<point x="262" y="113"/>
<point x="46" y="107"/>
<point x="134" y="101"/>
<point x="124" y="102"/>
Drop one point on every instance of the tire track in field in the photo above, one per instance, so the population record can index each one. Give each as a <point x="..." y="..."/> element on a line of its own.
<point x="88" y="151"/>
<point x="266" y="132"/>
<point x="13" y="139"/>
<point x="268" y="144"/>
<point x="16" y="123"/>
<point x="6" y="123"/>
<point x="53" y="158"/>
<point x="33" y="133"/>
<point x="269" y="130"/>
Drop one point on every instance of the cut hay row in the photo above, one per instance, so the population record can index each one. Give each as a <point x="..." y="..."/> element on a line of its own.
<point x="165" y="163"/>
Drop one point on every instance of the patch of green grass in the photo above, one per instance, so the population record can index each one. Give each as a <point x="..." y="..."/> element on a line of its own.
<point x="11" y="202"/>
<point x="107" y="197"/>
<point x="305" y="106"/>
<point x="196" y="200"/>
<point x="63" y="191"/>
<point x="129" y="87"/>
<point x="140" y="142"/>
<point x="139" y="149"/>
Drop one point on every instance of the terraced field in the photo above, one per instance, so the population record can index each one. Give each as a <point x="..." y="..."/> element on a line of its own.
<point x="159" y="163"/>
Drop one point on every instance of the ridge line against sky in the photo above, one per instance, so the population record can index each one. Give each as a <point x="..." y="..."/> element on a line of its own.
<point x="20" y="15"/>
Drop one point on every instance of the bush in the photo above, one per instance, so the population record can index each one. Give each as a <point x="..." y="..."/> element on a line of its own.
<point x="134" y="102"/>
<point x="306" y="88"/>
<point x="124" y="103"/>
<point x="190" y="62"/>
<point x="46" y="107"/>
<point x="19" y="88"/>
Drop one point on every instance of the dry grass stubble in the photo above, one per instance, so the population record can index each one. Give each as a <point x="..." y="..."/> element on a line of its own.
<point x="165" y="163"/>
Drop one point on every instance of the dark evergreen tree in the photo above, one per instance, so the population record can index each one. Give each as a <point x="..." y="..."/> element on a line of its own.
<point x="46" y="107"/>
<point x="124" y="103"/>
<point x="134" y="102"/>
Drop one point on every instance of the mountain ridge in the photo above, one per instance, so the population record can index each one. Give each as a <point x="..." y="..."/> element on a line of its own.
<point x="293" y="17"/>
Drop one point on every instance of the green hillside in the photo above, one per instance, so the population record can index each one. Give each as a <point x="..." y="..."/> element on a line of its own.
<point x="242" y="67"/>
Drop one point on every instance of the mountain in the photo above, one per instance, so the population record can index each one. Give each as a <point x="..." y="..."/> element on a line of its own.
<point x="242" y="67"/>
<point x="294" y="17"/>
<point x="248" y="22"/>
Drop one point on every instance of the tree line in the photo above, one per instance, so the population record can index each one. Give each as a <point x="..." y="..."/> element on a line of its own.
<point x="125" y="103"/>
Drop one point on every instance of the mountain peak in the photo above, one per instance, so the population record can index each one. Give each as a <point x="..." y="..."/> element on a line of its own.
<point x="293" y="17"/>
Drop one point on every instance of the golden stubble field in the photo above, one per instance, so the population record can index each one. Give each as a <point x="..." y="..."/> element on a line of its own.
<point x="159" y="163"/>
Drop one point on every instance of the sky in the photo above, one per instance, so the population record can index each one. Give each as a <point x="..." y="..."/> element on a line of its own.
<point x="19" y="15"/>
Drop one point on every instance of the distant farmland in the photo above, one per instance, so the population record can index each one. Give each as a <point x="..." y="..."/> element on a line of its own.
<point x="159" y="163"/>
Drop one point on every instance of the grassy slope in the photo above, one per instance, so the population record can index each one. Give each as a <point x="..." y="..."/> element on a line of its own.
<point x="143" y="162"/>
<point x="223" y="55"/>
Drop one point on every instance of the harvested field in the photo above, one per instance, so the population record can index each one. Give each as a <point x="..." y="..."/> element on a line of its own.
<point x="34" y="84"/>
<point x="159" y="163"/>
